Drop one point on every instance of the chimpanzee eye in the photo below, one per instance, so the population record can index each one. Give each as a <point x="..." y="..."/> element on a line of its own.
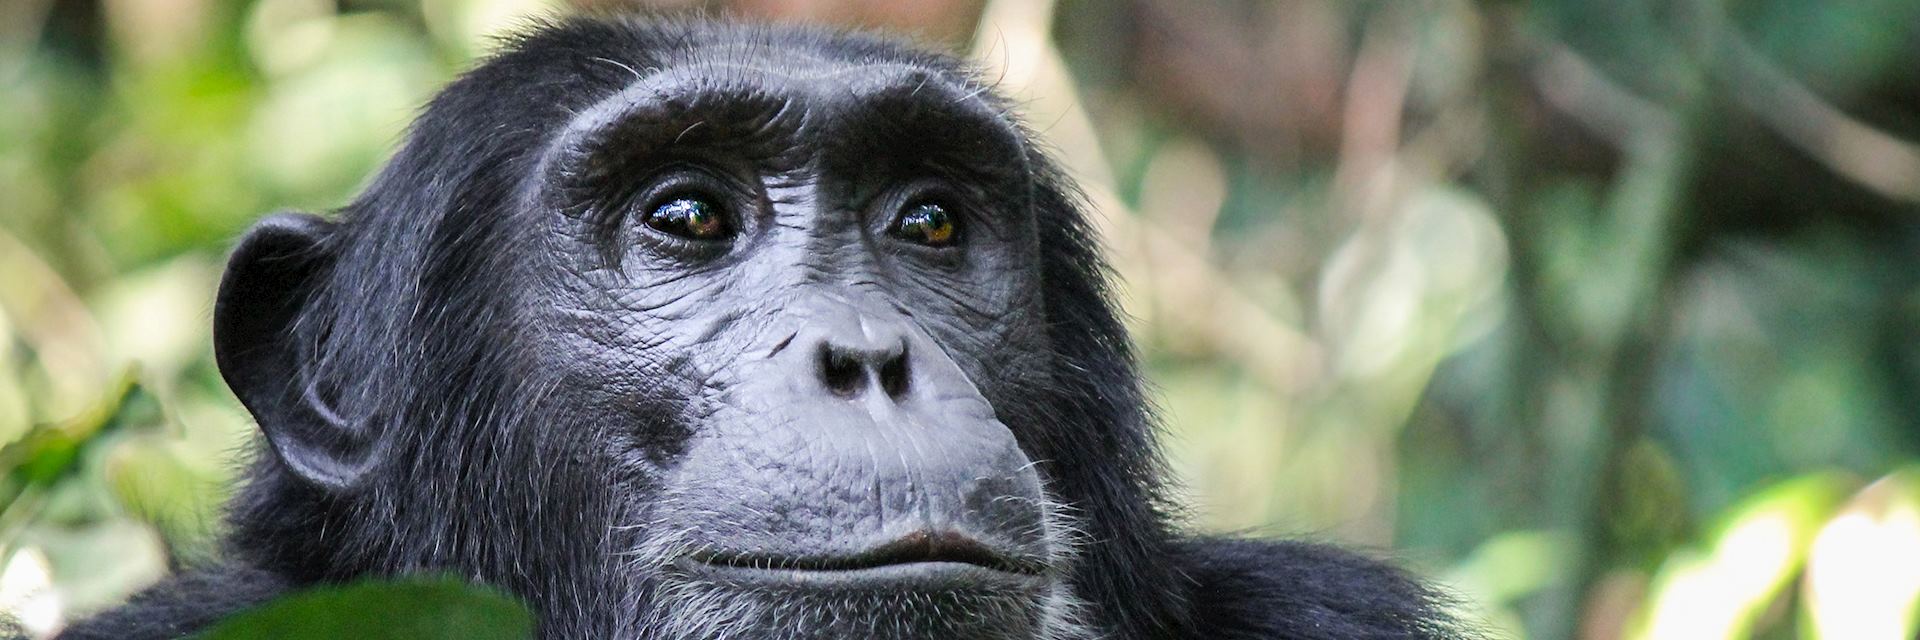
<point x="690" y="217"/>
<point x="926" y="223"/>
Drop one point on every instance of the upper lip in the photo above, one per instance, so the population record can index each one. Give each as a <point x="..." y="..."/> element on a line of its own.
<point x="912" y="548"/>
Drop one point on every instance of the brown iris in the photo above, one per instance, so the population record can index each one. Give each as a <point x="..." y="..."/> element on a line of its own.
<point x="691" y="218"/>
<point x="926" y="223"/>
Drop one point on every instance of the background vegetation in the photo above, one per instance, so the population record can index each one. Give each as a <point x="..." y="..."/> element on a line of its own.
<point x="1606" y="313"/>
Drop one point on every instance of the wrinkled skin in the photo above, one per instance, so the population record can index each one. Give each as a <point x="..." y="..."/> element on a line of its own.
<point x="786" y="460"/>
<point x="712" y="331"/>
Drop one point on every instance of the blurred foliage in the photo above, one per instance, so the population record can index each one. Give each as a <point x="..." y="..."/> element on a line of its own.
<point x="1607" y="313"/>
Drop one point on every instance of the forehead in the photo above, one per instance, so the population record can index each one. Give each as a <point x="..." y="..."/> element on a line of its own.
<point x="779" y="95"/>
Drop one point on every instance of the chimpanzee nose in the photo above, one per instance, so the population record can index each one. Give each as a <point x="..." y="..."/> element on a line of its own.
<point x="850" y="362"/>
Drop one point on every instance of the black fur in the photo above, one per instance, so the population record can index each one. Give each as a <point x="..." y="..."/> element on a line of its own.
<point x="408" y="310"/>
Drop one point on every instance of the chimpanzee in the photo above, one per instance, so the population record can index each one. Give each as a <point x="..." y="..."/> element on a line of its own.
<point x="711" y="330"/>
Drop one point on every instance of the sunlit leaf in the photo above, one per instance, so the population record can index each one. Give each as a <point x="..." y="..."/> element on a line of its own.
<point x="1863" y="575"/>
<point x="27" y="597"/>
<point x="1719" y="591"/>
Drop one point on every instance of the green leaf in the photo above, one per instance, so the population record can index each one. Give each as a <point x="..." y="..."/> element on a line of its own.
<point x="431" y="608"/>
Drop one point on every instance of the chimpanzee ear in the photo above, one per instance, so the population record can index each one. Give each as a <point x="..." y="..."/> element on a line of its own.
<point x="269" y="280"/>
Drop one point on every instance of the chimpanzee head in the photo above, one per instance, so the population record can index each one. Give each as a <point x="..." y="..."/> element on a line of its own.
<point x="697" y="331"/>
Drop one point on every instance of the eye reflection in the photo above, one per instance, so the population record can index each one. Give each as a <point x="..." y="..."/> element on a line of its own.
<point x="690" y="217"/>
<point x="927" y="223"/>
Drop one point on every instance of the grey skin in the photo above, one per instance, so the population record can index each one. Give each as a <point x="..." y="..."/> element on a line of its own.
<point x="843" y="472"/>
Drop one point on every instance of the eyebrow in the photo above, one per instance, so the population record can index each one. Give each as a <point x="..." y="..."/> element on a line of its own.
<point x="930" y="117"/>
<point x="891" y="113"/>
<point x="652" y="119"/>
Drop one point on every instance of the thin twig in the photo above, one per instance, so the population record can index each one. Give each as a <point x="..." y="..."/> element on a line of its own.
<point x="1878" y="161"/>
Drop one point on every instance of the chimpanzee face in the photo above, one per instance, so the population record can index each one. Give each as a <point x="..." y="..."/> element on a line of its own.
<point x="832" y="266"/>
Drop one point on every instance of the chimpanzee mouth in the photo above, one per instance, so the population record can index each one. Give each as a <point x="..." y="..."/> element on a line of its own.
<point x="920" y="558"/>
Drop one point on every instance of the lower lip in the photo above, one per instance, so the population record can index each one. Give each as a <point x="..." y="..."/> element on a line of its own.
<point x="912" y="575"/>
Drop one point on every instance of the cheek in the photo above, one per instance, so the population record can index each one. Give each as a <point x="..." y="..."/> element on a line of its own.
<point x="636" y="351"/>
<point x="994" y="331"/>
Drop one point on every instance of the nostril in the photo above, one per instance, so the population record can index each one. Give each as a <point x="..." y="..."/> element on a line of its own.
<point x="894" y="374"/>
<point x="840" y="371"/>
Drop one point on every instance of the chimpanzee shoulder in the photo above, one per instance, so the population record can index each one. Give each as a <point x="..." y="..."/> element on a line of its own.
<point x="1247" y="589"/>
